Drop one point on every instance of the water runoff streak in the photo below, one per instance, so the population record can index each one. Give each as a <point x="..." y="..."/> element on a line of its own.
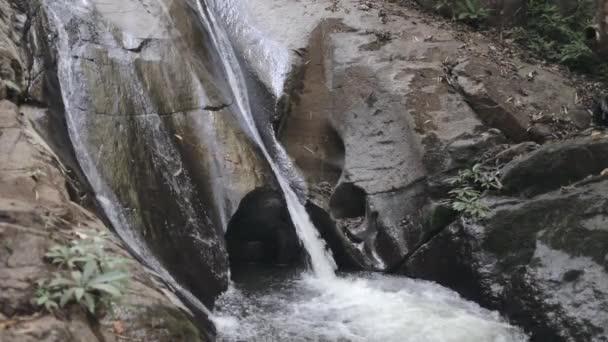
<point x="322" y="262"/>
<point x="283" y="305"/>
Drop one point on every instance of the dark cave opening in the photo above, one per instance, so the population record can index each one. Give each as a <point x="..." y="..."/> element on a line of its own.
<point x="347" y="201"/>
<point x="261" y="231"/>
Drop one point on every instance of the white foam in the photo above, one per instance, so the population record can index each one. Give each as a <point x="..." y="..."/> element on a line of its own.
<point x="361" y="308"/>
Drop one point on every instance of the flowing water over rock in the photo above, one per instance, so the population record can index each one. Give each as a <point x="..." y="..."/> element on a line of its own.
<point x="281" y="305"/>
<point x="321" y="260"/>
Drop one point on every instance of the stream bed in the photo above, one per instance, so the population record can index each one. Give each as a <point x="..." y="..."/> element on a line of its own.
<point x="280" y="304"/>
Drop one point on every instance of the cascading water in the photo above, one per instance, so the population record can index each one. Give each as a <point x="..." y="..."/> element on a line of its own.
<point x="321" y="260"/>
<point x="321" y="306"/>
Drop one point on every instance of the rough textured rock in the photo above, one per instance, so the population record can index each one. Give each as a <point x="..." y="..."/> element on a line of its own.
<point x="541" y="261"/>
<point x="12" y="70"/>
<point x="600" y="43"/>
<point x="151" y="119"/>
<point x="566" y="162"/>
<point x="35" y="213"/>
<point x="387" y="107"/>
<point x="508" y="103"/>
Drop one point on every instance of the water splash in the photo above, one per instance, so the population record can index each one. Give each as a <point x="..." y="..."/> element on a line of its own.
<point x="360" y="307"/>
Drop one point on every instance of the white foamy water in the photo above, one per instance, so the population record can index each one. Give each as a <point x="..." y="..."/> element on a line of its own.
<point x="359" y="307"/>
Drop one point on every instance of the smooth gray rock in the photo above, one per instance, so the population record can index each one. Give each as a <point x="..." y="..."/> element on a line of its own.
<point x="555" y="165"/>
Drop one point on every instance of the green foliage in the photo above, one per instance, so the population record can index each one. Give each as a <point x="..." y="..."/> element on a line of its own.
<point x="559" y="38"/>
<point x="469" y="184"/>
<point x="466" y="200"/>
<point x="480" y="177"/>
<point x="86" y="274"/>
<point x="471" y="11"/>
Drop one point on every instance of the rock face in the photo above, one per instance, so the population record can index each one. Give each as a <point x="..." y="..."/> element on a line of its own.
<point x="12" y="70"/>
<point x="388" y="105"/>
<point x="599" y="37"/>
<point x="36" y="213"/>
<point x="151" y="119"/>
<point x="541" y="260"/>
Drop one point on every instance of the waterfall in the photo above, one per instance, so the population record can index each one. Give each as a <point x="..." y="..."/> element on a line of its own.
<point x="322" y="262"/>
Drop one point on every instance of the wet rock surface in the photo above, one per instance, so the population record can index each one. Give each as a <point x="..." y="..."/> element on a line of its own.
<point x="35" y="213"/>
<point x="541" y="261"/>
<point x="150" y="116"/>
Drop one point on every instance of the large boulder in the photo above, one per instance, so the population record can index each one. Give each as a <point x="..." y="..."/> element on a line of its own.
<point x="541" y="261"/>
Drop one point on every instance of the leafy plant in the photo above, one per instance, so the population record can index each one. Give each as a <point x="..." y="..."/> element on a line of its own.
<point x="469" y="184"/>
<point x="86" y="274"/>
<point x="557" y="37"/>
<point x="472" y="11"/>
<point x="467" y="200"/>
<point x="45" y="297"/>
<point x="479" y="176"/>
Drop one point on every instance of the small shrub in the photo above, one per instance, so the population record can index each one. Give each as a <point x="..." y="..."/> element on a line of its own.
<point x="471" y="11"/>
<point x="468" y="187"/>
<point x="479" y="176"/>
<point x="558" y="38"/>
<point x="87" y="274"/>
<point x="467" y="200"/>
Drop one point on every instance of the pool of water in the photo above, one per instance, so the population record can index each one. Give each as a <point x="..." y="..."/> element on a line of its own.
<point x="280" y="304"/>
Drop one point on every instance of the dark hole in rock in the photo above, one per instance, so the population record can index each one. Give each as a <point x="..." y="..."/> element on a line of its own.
<point x="261" y="231"/>
<point x="347" y="201"/>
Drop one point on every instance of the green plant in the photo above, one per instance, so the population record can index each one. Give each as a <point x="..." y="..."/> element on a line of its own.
<point x="45" y="297"/>
<point x="480" y="177"/>
<point x="87" y="274"/>
<point x="467" y="201"/>
<point x="468" y="187"/>
<point x="557" y="37"/>
<point x="471" y="11"/>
